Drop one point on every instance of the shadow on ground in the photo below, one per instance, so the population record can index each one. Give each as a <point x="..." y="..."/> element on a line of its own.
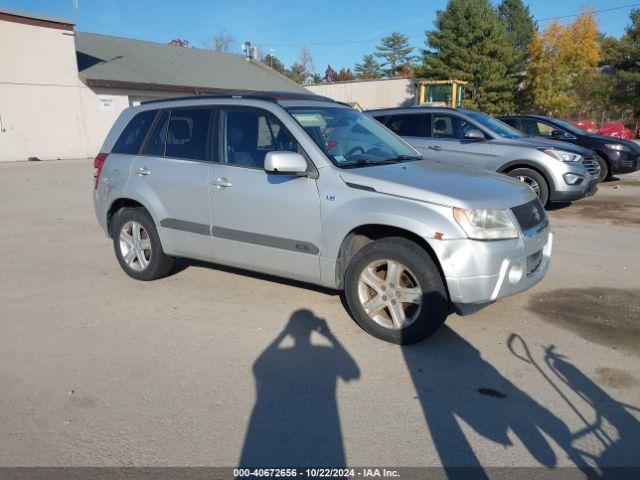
<point x="295" y="420"/>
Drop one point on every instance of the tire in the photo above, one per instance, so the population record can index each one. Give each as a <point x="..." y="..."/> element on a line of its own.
<point x="605" y="169"/>
<point x="536" y="181"/>
<point x="156" y="263"/>
<point x="421" y="320"/>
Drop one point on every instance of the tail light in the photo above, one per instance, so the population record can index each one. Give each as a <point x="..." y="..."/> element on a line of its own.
<point x="98" y="163"/>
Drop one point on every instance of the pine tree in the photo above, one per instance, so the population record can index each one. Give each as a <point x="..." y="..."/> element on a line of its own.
<point x="519" y="23"/>
<point x="394" y="51"/>
<point x="470" y="43"/>
<point x="273" y="62"/>
<point x="369" y="68"/>
<point x="628" y="61"/>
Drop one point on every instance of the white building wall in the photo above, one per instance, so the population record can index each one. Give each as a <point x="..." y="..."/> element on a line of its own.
<point x="396" y="92"/>
<point x="45" y="110"/>
<point x="39" y="94"/>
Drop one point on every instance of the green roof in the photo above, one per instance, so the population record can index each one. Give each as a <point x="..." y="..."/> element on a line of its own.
<point x="105" y="61"/>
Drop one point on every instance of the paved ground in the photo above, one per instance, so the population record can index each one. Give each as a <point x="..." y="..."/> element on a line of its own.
<point x="98" y="369"/>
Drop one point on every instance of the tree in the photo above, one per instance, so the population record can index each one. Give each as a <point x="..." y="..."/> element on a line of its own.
<point x="344" y="75"/>
<point x="223" y="41"/>
<point x="519" y="24"/>
<point x="274" y="63"/>
<point x="330" y="75"/>
<point x="394" y="51"/>
<point x="316" y="78"/>
<point x="369" y="68"/>
<point x="562" y="71"/>
<point x="470" y="43"/>
<point x="179" y="42"/>
<point x="521" y="29"/>
<point x="297" y="73"/>
<point x="303" y="69"/>
<point x="627" y="62"/>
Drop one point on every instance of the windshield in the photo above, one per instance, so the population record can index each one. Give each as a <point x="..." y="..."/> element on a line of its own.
<point x="570" y="127"/>
<point x="495" y="125"/>
<point x="350" y="138"/>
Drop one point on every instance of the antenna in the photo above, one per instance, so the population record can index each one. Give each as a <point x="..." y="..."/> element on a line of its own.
<point x="75" y="12"/>
<point x="250" y="51"/>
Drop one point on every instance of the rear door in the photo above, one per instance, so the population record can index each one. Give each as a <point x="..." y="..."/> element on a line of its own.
<point x="264" y="222"/>
<point x="172" y="176"/>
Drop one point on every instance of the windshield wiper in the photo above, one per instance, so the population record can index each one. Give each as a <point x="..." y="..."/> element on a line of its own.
<point x="402" y="158"/>
<point x="361" y="161"/>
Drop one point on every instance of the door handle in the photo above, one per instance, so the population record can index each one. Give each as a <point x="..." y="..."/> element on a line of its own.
<point x="435" y="147"/>
<point x="221" y="182"/>
<point x="143" y="171"/>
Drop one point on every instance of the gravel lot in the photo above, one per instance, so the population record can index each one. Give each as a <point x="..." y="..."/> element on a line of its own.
<point x="98" y="369"/>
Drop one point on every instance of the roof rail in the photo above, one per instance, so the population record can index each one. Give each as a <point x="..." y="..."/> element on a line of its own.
<point x="249" y="95"/>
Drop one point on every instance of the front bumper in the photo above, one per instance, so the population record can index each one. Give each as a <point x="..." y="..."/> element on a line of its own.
<point x="478" y="272"/>
<point x="623" y="162"/>
<point x="576" y="194"/>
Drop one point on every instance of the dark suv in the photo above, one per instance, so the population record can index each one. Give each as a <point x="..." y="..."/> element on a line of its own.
<point x="615" y="155"/>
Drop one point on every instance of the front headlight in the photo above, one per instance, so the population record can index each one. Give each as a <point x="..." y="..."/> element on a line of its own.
<point x="562" y="155"/>
<point x="618" y="147"/>
<point x="486" y="224"/>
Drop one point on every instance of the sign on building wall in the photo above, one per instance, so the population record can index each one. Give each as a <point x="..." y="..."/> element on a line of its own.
<point x="105" y="102"/>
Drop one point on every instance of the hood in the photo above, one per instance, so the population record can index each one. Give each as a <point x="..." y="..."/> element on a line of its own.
<point x="443" y="184"/>
<point x="539" y="142"/>
<point x="604" y="139"/>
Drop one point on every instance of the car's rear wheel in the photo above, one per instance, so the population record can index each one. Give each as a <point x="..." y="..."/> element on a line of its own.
<point x="536" y="181"/>
<point x="137" y="245"/>
<point x="395" y="291"/>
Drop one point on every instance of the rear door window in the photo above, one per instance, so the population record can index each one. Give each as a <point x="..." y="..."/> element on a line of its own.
<point x="155" y="145"/>
<point x="187" y="133"/>
<point x="409" y="125"/>
<point x="134" y="133"/>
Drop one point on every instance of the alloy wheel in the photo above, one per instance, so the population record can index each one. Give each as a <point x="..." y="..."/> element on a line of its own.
<point x="135" y="246"/>
<point x="389" y="294"/>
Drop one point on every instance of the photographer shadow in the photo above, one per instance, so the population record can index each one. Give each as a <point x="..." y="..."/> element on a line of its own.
<point x="295" y="419"/>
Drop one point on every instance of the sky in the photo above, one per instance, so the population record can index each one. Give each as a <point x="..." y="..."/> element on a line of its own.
<point x="337" y="32"/>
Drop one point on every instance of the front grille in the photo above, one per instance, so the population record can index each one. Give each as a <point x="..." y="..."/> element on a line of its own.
<point x="629" y="161"/>
<point x="530" y="215"/>
<point x="533" y="262"/>
<point x="592" y="166"/>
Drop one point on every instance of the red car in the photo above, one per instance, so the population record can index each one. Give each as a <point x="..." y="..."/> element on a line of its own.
<point x="616" y="130"/>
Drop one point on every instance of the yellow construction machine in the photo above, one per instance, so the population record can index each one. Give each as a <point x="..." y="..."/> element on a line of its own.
<point x="441" y="93"/>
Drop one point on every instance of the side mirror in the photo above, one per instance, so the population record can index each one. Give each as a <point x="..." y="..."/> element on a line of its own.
<point x="474" y="134"/>
<point x="285" y="163"/>
<point x="557" y="134"/>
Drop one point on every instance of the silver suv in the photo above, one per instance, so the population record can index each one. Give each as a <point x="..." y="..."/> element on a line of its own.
<point x="302" y="187"/>
<point x="556" y="171"/>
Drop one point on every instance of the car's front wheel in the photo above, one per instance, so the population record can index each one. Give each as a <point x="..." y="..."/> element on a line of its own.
<point x="137" y="245"/>
<point x="605" y="170"/>
<point x="395" y="291"/>
<point x="536" y="181"/>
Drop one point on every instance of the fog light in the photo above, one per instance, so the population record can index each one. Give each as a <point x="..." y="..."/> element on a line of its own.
<point x="572" y="179"/>
<point x="515" y="273"/>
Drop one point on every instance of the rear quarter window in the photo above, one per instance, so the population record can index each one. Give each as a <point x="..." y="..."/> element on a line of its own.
<point x="133" y="135"/>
